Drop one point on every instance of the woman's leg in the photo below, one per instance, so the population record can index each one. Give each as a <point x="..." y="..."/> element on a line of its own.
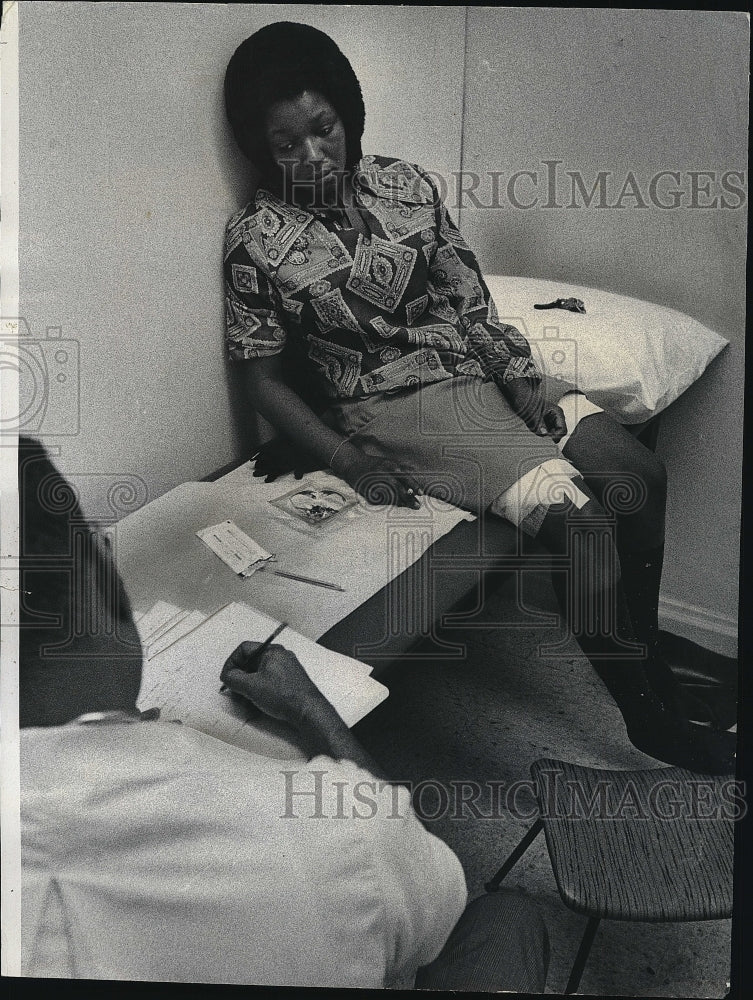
<point x="629" y="479"/>
<point x="630" y="482"/>
<point x="594" y="603"/>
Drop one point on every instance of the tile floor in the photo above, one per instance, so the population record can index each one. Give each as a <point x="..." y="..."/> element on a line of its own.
<point x="487" y="716"/>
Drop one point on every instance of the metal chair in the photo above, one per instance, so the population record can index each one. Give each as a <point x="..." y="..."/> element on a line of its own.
<point x="651" y="845"/>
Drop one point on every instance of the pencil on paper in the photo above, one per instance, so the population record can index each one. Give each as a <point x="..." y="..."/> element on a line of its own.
<point x="306" y="579"/>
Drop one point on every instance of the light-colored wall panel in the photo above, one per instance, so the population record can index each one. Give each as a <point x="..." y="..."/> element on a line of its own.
<point x="127" y="177"/>
<point x="619" y="91"/>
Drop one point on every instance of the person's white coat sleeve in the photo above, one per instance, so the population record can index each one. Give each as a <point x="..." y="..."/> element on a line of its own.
<point x="420" y="878"/>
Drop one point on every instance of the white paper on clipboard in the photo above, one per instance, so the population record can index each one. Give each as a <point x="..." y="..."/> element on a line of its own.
<point x="183" y="680"/>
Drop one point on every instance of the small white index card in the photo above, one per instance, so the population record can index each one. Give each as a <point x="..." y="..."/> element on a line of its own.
<point x="234" y="547"/>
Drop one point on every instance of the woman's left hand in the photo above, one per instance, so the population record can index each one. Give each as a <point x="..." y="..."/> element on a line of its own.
<point x="526" y="397"/>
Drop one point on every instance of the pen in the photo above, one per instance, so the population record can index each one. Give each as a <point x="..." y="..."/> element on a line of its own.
<point x="307" y="579"/>
<point x="255" y="656"/>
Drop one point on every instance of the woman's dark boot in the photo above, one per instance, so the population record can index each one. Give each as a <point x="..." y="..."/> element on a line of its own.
<point x="702" y="700"/>
<point x="657" y="728"/>
<point x="654" y="725"/>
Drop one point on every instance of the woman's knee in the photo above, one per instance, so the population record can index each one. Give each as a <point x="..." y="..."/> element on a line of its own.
<point x="567" y="521"/>
<point x="627" y="475"/>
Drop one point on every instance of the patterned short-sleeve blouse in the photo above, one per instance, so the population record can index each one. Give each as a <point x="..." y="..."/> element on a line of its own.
<point x="404" y="306"/>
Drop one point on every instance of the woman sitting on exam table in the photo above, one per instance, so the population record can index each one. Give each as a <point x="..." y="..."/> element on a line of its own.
<point x="355" y="261"/>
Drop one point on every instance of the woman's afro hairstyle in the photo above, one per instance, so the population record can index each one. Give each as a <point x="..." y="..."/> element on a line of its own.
<point x="279" y="62"/>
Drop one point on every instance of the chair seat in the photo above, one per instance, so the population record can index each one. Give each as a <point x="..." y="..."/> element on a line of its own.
<point x="653" y="845"/>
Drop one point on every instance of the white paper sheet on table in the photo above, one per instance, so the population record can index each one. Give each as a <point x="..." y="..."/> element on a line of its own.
<point x="180" y="626"/>
<point x="153" y="621"/>
<point x="183" y="681"/>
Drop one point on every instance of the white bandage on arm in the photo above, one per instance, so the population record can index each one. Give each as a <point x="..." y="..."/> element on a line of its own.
<point x="527" y="501"/>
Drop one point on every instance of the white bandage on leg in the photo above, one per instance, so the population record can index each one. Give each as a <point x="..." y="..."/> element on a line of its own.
<point x="575" y="406"/>
<point x="527" y="501"/>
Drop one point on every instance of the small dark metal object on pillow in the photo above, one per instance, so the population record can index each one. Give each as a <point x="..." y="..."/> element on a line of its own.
<point x="573" y="305"/>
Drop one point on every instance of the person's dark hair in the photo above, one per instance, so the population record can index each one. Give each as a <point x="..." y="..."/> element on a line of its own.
<point x="280" y="62"/>
<point x="74" y="613"/>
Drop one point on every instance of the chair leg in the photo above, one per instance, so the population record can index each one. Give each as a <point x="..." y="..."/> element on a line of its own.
<point x="583" y="952"/>
<point x="517" y="854"/>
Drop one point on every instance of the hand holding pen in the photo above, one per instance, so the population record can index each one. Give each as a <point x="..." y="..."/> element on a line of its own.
<point x="247" y="656"/>
<point x="272" y="679"/>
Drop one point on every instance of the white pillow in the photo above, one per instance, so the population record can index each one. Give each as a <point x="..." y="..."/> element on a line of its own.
<point x="631" y="357"/>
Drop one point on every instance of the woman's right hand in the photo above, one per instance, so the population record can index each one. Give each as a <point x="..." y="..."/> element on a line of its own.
<point x="378" y="480"/>
<point x="279" y="456"/>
